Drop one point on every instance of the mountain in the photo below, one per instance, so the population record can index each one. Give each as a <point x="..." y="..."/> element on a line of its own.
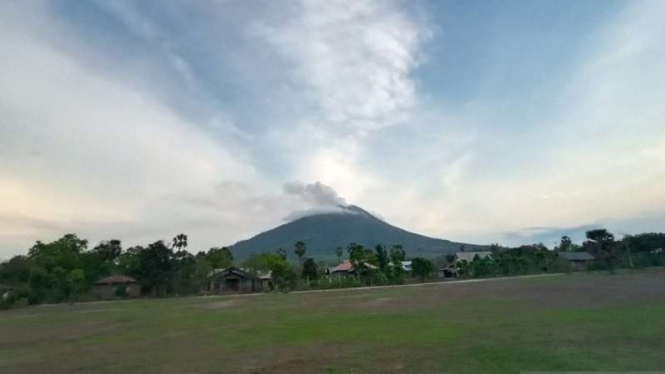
<point x="323" y="232"/>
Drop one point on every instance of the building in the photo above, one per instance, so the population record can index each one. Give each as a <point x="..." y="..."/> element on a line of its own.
<point x="235" y="280"/>
<point x="577" y="260"/>
<point x="346" y="268"/>
<point x="470" y="256"/>
<point x="110" y="287"/>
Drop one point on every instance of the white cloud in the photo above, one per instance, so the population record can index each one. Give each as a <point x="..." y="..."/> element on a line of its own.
<point x="599" y="159"/>
<point x="106" y="155"/>
<point x="89" y="154"/>
<point x="352" y="60"/>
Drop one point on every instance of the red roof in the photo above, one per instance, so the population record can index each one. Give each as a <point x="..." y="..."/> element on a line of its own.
<point x="116" y="279"/>
<point x="345" y="266"/>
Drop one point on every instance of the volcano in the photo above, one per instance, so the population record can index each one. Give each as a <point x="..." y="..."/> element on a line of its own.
<point x="324" y="232"/>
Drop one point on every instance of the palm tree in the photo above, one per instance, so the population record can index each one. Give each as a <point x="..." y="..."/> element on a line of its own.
<point x="339" y="252"/>
<point x="601" y="243"/>
<point x="300" y="250"/>
<point x="179" y="242"/>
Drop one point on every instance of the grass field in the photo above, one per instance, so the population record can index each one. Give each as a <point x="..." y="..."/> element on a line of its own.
<point x="582" y="322"/>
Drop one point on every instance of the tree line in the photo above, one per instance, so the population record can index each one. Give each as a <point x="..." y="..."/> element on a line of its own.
<point x="66" y="269"/>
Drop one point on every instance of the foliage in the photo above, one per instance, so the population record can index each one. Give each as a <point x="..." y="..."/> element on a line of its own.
<point x="65" y="269"/>
<point x="220" y="258"/>
<point x="600" y="243"/>
<point x="309" y="270"/>
<point x="179" y="242"/>
<point x="382" y="259"/>
<point x="422" y="268"/>
<point x="263" y="261"/>
<point x="396" y="273"/>
<point x="109" y="250"/>
<point x="153" y="266"/>
<point x="300" y="250"/>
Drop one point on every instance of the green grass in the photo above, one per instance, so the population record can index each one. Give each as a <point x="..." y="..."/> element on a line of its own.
<point x="580" y="322"/>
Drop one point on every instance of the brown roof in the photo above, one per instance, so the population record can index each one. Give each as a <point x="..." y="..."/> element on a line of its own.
<point x="116" y="279"/>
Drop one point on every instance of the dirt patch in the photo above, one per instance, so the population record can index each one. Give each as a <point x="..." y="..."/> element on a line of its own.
<point x="219" y="304"/>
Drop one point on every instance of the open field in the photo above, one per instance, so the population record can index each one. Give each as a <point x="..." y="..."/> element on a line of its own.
<point x="582" y="322"/>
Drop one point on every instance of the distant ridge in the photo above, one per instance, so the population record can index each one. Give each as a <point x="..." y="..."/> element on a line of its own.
<point x="323" y="232"/>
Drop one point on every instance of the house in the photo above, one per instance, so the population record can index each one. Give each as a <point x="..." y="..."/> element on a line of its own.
<point x="236" y="280"/>
<point x="577" y="260"/>
<point x="470" y="256"/>
<point x="406" y="266"/>
<point x="116" y="285"/>
<point x="346" y="268"/>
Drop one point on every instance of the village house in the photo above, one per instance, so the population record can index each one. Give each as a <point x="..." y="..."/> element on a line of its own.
<point x="116" y="286"/>
<point x="452" y="270"/>
<point x="345" y="268"/>
<point x="578" y="261"/>
<point x="236" y="280"/>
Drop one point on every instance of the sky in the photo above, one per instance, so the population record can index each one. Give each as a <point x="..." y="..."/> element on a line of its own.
<point x="486" y="121"/>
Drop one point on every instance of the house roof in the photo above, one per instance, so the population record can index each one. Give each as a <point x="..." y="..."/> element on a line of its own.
<point x="347" y="267"/>
<point x="116" y="279"/>
<point x="576" y="256"/>
<point x="344" y="266"/>
<point x="243" y="272"/>
<point x="469" y="256"/>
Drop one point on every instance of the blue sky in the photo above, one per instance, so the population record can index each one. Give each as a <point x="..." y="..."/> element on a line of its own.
<point x="484" y="121"/>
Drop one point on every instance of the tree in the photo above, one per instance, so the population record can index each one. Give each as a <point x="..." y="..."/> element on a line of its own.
<point x="382" y="257"/>
<point x="185" y="280"/>
<point x="282" y="252"/>
<point x="109" y="250"/>
<point x="601" y="243"/>
<point x="361" y="258"/>
<point x="76" y="280"/>
<point x="422" y="268"/>
<point x="309" y="270"/>
<point x="396" y="273"/>
<point x="339" y="252"/>
<point x="202" y="270"/>
<point x="179" y="242"/>
<point x="300" y="250"/>
<point x="63" y="253"/>
<point x="566" y="244"/>
<point x="263" y="261"/>
<point x="219" y="258"/>
<point x="153" y="267"/>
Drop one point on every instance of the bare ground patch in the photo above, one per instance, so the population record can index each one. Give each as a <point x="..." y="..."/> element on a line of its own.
<point x="219" y="304"/>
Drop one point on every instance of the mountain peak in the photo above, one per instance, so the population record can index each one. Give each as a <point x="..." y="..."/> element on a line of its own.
<point x="336" y="226"/>
<point x="355" y="209"/>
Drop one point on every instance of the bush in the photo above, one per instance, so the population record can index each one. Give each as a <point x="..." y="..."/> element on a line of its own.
<point x="377" y="278"/>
